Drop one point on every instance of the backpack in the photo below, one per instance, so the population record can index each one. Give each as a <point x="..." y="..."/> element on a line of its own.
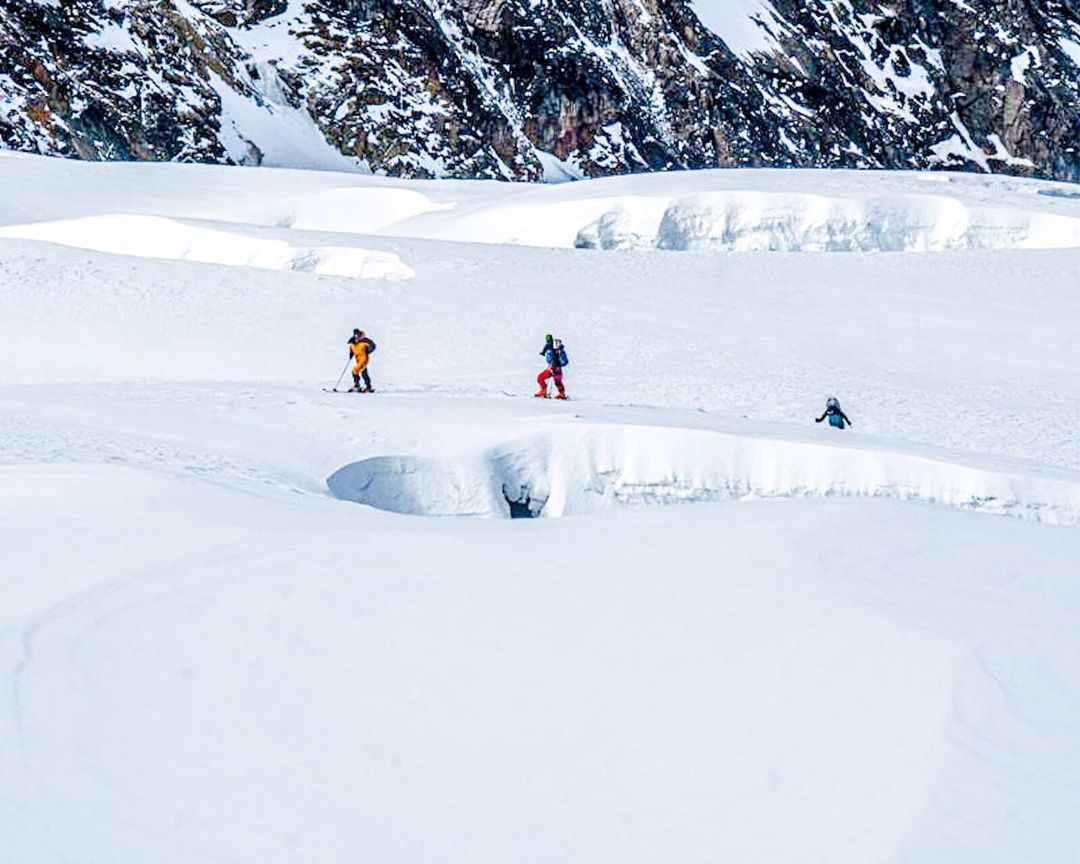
<point x="563" y="359"/>
<point x="370" y="345"/>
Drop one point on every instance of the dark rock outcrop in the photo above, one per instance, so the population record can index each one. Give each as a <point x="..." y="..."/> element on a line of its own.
<point x="516" y="88"/>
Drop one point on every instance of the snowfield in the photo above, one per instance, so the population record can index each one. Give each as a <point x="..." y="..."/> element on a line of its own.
<point x="244" y="619"/>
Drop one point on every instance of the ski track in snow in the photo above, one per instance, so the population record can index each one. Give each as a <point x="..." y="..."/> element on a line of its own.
<point x="207" y="656"/>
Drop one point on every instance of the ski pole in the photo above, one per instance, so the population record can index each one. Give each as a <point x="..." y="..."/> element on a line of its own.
<point x="342" y="375"/>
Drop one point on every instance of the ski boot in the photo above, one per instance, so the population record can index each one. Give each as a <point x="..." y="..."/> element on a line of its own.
<point x="541" y="394"/>
<point x="560" y="396"/>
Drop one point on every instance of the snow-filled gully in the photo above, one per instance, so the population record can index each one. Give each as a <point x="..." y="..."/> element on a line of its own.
<point x="569" y="472"/>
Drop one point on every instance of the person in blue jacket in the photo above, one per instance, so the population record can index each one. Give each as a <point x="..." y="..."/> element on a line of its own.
<point x="836" y="416"/>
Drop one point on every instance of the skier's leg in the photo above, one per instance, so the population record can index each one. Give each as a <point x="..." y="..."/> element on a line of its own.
<point x="542" y="380"/>
<point x="559" y="384"/>
<point x="367" y="378"/>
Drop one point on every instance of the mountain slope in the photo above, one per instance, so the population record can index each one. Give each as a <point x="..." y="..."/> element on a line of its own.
<point x="523" y="90"/>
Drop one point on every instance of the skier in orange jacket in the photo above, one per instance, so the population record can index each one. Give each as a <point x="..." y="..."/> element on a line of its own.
<point x="360" y="347"/>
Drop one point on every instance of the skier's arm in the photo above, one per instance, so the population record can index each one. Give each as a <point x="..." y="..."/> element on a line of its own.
<point x="822" y="417"/>
<point x="846" y="420"/>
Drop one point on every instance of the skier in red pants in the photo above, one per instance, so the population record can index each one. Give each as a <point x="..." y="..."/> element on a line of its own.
<point x="554" y="354"/>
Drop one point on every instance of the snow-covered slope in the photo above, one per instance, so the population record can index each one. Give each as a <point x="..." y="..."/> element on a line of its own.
<point x="530" y="89"/>
<point x="245" y="619"/>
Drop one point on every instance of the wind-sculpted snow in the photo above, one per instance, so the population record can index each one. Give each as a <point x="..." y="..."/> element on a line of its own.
<point x="157" y="237"/>
<point x="598" y="467"/>
<point x="771" y="222"/>
<point x="729" y="211"/>
<point x="718" y="221"/>
<point x="746" y="220"/>
<point x="720" y="211"/>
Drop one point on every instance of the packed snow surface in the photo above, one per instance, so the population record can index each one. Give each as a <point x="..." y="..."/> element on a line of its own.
<point x="246" y="618"/>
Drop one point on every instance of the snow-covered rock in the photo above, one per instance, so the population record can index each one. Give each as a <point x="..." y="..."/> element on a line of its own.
<point x="531" y="89"/>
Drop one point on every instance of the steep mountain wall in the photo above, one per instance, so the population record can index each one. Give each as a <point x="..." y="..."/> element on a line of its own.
<point x="523" y="89"/>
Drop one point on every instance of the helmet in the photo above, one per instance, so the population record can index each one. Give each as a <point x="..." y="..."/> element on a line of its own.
<point x="548" y="337"/>
<point x="832" y="402"/>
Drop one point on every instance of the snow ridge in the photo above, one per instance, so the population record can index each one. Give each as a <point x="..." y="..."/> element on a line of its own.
<point x="599" y="467"/>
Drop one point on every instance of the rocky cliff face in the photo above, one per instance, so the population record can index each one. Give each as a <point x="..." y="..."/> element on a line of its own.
<point x="522" y="89"/>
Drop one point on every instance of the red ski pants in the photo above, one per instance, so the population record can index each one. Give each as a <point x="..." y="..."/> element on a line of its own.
<point x="543" y="377"/>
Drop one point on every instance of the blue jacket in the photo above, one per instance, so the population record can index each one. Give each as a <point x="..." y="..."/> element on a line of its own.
<point x="555" y="357"/>
<point x="836" y="417"/>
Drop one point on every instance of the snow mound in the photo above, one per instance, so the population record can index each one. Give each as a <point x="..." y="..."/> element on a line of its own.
<point x="749" y="220"/>
<point x="159" y="237"/>
<point x="356" y="210"/>
<point x="598" y="467"/>
<point x="755" y="221"/>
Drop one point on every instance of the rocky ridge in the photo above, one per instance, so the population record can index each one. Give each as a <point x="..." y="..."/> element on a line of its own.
<point x="533" y="89"/>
